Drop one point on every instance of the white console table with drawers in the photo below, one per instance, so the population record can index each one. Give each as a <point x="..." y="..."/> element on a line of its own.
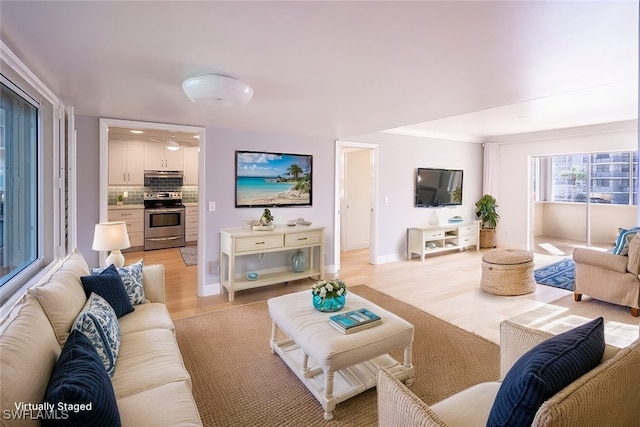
<point x="241" y="241"/>
<point x="423" y="241"/>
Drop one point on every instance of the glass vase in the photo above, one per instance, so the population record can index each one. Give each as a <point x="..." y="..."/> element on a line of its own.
<point x="298" y="261"/>
<point x="328" y="304"/>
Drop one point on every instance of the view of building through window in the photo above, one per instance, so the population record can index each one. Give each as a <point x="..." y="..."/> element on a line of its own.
<point x="606" y="177"/>
<point x="18" y="183"/>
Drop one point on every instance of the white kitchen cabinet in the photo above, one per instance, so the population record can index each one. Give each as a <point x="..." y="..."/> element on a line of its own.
<point x="126" y="163"/>
<point x="190" y="165"/>
<point x="134" y="217"/>
<point x="191" y="224"/>
<point x="158" y="157"/>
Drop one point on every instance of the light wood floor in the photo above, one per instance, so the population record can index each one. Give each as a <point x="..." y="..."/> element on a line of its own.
<point x="446" y="286"/>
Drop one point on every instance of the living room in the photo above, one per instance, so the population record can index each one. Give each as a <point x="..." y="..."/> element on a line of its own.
<point x="302" y="128"/>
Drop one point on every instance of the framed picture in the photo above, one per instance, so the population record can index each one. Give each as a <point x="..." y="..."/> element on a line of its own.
<point x="273" y="179"/>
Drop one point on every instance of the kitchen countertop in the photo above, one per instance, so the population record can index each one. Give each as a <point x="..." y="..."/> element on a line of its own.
<point x="116" y="207"/>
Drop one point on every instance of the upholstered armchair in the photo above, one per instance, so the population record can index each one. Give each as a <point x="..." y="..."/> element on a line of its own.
<point x="606" y="395"/>
<point x="608" y="277"/>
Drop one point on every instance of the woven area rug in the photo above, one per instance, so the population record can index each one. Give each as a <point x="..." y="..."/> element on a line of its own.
<point x="237" y="381"/>
<point x="559" y="275"/>
<point x="189" y="255"/>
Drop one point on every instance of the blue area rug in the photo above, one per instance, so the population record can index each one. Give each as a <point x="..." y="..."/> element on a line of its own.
<point x="559" y="275"/>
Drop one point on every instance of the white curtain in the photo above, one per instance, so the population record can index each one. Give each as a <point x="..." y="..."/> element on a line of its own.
<point x="490" y="170"/>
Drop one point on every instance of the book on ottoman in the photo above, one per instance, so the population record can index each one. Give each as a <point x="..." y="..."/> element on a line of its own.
<point x="355" y="320"/>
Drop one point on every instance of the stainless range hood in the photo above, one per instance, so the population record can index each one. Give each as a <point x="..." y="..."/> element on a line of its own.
<point x="163" y="174"/>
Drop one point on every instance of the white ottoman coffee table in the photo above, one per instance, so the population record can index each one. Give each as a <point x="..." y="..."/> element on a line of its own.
<point x="332" y="365"/>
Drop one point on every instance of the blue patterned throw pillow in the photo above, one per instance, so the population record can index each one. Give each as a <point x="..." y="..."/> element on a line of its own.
<point x="109" y="286"/>
<point x="131" y="276"/>
<point x="98" y="322"/>
<point x="545" y="370"/>
<point x="80" y="380"/>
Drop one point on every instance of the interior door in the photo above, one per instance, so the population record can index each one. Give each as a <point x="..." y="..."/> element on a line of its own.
<point x="356" y="230"/>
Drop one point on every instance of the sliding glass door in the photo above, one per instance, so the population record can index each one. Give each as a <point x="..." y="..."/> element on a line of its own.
<point x="582" y="199"/>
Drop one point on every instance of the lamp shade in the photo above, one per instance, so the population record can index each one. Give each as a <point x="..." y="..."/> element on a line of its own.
<point x="217" y="89"/>
<point x="110" y="236"/>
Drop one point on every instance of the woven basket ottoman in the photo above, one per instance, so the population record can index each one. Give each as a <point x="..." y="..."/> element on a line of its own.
<point x="507" y="272"/>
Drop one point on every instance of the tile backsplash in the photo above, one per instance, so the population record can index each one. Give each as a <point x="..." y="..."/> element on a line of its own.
<point x="136" y="194"/>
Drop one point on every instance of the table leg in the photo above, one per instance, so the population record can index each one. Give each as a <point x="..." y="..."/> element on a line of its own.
<point x="329" y="405"/>
<point x="274" y="336"/>
<point x="408" y="364"/>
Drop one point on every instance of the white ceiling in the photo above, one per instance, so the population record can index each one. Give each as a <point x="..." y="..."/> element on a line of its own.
<point x="468" y="70"/>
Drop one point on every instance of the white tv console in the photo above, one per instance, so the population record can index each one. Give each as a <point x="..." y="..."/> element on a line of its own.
<point x="241" y="241"/>
<point x="434" y="239"/>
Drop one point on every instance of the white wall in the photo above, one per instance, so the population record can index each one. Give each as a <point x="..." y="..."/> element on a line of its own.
<point x="513" y="175"/>
<point x="568" y="220"/>
<point x="399" y="157"/>
<point x="221" y="145"/>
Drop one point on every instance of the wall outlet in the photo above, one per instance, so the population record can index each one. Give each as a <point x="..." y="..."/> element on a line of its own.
<point x="212" y="206"/>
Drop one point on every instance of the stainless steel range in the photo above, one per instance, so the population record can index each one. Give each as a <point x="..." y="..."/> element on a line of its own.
<point x="164" y="220"/>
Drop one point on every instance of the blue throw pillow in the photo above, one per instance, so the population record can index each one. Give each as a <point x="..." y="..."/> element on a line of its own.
<point x="622" y="242"/>
<point x="98" y="322"/>
<point x="80" y="381"/>
<point x="109" y="286"/>
<point x="545" y="370"/>
<point x="131" y="276"/>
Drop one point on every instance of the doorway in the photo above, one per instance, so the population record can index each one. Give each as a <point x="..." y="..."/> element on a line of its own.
<point x="105" y="124"/>
<point x="356" y="215"/>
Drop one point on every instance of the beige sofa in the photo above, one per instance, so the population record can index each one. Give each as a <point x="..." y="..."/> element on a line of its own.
<point x="608" y="277"/>
<point x="605" y="396"/>
<point x="151" y="385"/>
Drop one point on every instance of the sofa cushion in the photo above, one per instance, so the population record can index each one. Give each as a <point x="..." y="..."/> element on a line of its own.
<point x="24" y="373"/>
<point x="109" y="286"/>
<point x="131" y="276"/>
<point x="143" y="409"/>
<point x="80" y="381"/>
<point x="148" y="359"/>
<point x="146" y="316"/>
<point x="61" y="294"/>
<point x="99" y="323"/>
<point x="545" y="370"/>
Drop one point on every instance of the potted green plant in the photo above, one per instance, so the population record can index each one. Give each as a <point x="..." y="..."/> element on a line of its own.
<point x="120" y="200"/>
<point x="486" y="213"/>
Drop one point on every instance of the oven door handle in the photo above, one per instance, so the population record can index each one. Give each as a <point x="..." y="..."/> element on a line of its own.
<point x="164" y="239"/>
<point x="158" y="211"/>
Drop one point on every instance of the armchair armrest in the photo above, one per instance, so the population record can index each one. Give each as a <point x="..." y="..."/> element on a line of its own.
<point x="398" y="406"/>
<point x="605" y="260"/>
<point x="516" y="340"/>
<point x="153" y="282"/>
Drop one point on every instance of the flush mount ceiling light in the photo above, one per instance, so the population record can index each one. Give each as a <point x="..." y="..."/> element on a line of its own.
<point x="217" y="89"/>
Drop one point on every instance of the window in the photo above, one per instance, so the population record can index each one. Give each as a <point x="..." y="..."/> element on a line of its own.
<point x="608" y="178"/>
<point x="18" y="183"/>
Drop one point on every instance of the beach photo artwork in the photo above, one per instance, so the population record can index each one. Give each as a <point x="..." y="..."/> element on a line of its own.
<point x="272" y="179"/>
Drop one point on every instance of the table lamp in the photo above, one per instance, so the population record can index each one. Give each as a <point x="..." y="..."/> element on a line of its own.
<point x="111" y="236"/>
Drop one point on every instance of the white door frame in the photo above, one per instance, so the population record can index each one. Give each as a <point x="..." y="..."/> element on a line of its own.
<point x="339" y="183"/>
<point x="104" y="178"/>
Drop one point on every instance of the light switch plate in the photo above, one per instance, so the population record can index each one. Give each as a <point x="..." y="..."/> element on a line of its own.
<point x="212" y="206"/>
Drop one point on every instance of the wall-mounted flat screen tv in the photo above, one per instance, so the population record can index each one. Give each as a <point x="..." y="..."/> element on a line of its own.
<point x="438" y="187"/>
<point x="273" y="179"/>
